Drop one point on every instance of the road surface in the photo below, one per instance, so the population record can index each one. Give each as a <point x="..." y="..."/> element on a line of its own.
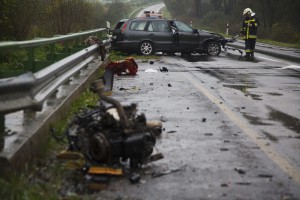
<point x="155" y="8"/>
<point x="231" y="128"/>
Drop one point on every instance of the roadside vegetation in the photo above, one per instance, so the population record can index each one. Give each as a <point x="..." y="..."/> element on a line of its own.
<point x="28" y="19"/>
<point x="279" y="19"/>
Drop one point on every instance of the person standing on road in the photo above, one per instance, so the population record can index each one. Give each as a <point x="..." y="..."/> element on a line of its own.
<point x="249" y="31"/>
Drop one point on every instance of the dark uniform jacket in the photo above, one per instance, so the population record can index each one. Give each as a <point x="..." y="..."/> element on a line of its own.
<point x="250" y="32"/>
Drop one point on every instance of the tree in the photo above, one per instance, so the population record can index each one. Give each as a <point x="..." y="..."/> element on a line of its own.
<point x="17" y="18"/>
<point x="116" y="11"/>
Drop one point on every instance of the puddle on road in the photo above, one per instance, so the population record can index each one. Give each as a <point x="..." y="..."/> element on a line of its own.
<point x="286" y="120"/>
<point x="254" y="96"/>
<point x="270" y="136"/>
<point x="240" y="87"/>
<point x="244" y="88"/>
<point x="275" y="94"/>
<point x="255" y="120"/>
<point x="199" y="58"/>
<point x="211" y="72"/>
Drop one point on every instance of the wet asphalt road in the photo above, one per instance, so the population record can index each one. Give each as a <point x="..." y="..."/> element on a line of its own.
<point x="231" y="128"/>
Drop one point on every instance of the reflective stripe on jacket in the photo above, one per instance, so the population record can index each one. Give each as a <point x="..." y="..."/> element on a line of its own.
<point x="250" y="31"/>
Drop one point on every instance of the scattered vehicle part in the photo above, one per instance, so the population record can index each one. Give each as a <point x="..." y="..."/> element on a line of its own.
<point x="105" y="170"/>
<point x="171" y="131"/>
<point x="103" y="48"/>
<point x="163" y="69"/>
<point x="154" y="157"/>
<point x="155" y="34"/>
<point x="151" y="71"/>
<point x="155" y="126"/>
<point x="265" y="176"/>
<point x="224" y="149"/>
<point x="135" y="178"/>
<point x="127" y="66"/>
<point x="232" y="40"/>
<point x="240" y="170"/>
<point x="103" y="139"/>
<point x="159" y="174"/>
<point x="163" y="119"/>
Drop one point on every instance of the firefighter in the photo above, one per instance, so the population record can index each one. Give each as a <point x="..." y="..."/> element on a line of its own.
<point x="249" y="31"/>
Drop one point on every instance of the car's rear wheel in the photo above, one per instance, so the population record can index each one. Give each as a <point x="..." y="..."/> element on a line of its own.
<point x="146" y="48"/>
<point x="213" y="48"/>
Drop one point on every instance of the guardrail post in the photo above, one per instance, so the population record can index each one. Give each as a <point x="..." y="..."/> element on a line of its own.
<point x="2" y="131"/>
<point x="66" y="47"/>
<point x="52" y="51"/>
<point x="30" y="54"/>
<point x="28" y="116"/>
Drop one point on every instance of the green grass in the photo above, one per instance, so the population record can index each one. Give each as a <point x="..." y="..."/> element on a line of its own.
<point x="282" y="44"/>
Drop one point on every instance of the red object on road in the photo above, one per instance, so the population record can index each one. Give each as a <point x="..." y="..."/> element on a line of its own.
<point x="127" y="66"/>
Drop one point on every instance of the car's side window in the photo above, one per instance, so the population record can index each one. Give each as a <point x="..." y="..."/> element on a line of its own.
<point x="182" y="27"/>
<point x="138" y="25"/>
<point x="150" y="27"/>
<point x="158" y="26"/>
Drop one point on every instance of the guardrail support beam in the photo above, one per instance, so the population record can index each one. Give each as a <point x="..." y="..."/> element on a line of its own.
<point x="2" y="131"/>
<point x="30" y="54"/>
<point x="52" y="51"/>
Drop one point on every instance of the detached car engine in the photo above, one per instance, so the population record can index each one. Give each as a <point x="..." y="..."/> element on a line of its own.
<point x="108" y="134"/>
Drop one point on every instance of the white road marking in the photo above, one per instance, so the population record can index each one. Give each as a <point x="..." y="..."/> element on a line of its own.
<point x="268" y="59"/>
<point x="291" y="170"/>
<point x="291" y="67"/>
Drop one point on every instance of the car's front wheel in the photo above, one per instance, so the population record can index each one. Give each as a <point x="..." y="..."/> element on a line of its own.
<point x="146" y="48"/>
<point x="213" y="48"/>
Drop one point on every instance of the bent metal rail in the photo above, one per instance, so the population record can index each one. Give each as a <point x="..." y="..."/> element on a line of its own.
<point x="30" y="90"/>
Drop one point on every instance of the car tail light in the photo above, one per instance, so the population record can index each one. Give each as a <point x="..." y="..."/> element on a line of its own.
<point x="124" y="27"/>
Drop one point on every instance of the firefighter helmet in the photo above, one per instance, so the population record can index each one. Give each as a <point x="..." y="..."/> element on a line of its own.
<point x="247" y="11"/>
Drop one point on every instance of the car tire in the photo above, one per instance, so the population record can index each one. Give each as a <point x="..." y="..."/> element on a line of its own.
<point x="213" y="48"/>
<point x="146" y="48"/>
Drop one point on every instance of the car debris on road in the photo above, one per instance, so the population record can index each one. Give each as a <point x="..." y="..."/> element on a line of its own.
<point x="127" y="66"/>
<point x="103" y="138"/>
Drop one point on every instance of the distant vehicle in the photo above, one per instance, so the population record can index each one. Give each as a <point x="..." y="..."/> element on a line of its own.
<point x="148" y="35"/>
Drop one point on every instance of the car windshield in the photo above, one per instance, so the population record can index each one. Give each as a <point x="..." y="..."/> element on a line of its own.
<point x="182" y="27"/>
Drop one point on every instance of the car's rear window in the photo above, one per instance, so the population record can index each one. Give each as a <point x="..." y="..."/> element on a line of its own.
<point x="138" y="25"/>
<point x="158" y="26"/>
<point x="119" y="25"/>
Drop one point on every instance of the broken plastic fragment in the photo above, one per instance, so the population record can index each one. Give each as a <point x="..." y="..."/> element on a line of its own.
<point x="151" y="71"/>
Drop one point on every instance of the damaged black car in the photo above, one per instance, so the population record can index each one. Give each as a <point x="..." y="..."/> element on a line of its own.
<point x="149" y="35"/>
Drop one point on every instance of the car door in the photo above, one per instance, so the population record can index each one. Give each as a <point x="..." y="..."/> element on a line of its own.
<point x="160" y="34"/>
<point x="188" y="37"/>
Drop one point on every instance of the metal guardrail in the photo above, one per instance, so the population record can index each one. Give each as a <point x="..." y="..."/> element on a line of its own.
<point x="30" y="90"/>
<point x="30" y="46"/>
<point x="45" y="41"/>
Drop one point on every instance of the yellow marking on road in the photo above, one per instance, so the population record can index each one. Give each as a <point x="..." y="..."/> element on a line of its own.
<point x="291" y="170"/>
